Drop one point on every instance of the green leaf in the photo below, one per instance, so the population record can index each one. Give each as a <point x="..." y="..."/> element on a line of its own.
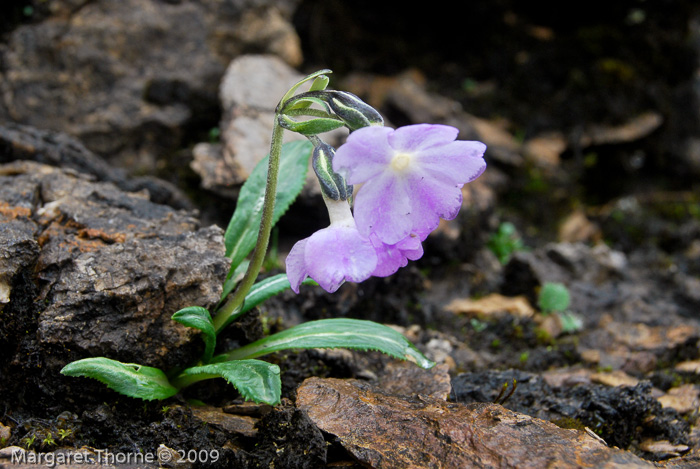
<point x="319" y="82"/>
<point x="242" y="231"/>
<point x="199" y="318"/>
<point x="256" y="380"/>
<point x="130" y="379"/>
<point x="303" y="102"/>
<point x="234" y="276"/>
<point x="334" y="333"/>
<point x="570" y="322"/>
<point x="553" y="297"/>
<point x="314" y="126"/>
<point x="268" y="288"/>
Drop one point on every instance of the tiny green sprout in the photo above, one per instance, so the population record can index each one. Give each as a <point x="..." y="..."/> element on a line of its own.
<point x="48" y="440"/>
<point x="553" y="297"/>
<point x="164" y="410"/>
<point x="505" y="242"/>
<point x="29" y="441"/>
<point x="524" y="357"/>
<point x="501" y="399"/>
<point x="478" y="325"/>
<point x="64" y="433"/>
<point x="214" y="135"/>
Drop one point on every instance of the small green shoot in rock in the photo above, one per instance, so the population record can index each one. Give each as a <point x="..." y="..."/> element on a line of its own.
<point x="505" y="242"/>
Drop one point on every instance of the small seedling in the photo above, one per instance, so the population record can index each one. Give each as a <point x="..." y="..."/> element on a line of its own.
<point x="48" y="440"/>
<point x="554" y="298"/>
<point x="505" y="242"/>
<point x="29" y="441"/>
<point x="501" y="399"/>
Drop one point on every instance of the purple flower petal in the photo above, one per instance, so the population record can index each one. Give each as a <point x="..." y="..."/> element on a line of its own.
<point x="391" y="257"/>
<point x="383" y="206"/>
<point x="419" y="137"/>
<point x="330" y="257"/>
<point x="364" y="155"/>
<point x="457" y="162"/>
<point x="296" y="268"/>
<point x="411" y="177"/>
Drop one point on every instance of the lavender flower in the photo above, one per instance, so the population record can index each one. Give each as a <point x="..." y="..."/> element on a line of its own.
<point x="334" y="254"/>
<point x="391" y="257"/>
<point x="411" y="177"/>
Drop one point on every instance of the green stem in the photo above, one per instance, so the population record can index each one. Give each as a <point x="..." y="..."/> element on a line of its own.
<point x="235" y="301"/>
<point x="183" y="381"/>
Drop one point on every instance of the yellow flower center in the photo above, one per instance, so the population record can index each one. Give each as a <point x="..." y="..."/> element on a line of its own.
<point x="400" y="162"/>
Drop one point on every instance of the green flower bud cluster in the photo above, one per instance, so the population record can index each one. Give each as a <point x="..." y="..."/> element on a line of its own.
<point x="333" y="110"/>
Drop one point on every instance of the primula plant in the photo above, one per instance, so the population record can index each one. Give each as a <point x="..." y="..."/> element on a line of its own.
<point x="408" y="178"/>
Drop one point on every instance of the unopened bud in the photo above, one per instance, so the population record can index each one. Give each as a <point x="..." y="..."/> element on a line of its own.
<point x="352" y="110"/>
<point x="332" y="184"/>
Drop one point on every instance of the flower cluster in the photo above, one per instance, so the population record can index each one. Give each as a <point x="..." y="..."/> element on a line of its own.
<point x="409" y="179"/>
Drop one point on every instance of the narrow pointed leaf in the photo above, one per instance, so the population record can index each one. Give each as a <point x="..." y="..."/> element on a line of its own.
<point x="234" y="276"/>
<point x="334" y="333"/>
<point x="303" y="102"/>
<point x="199" y="318"/>
<point x="256" y="380"/>
<point x="319" y="82"/>
<point x="242" y="231"/>
<point x="130" y="379"/>
<point x="315" y="126"/>
<point x="268" y="288"/>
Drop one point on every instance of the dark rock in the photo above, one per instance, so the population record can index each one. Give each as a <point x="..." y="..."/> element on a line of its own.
<point x="21" y="142"/>
<point x="287" y="438"/>
<point x="134" y="80"/>
<point x="620" y="415"/>
<point x="110" y="267"/>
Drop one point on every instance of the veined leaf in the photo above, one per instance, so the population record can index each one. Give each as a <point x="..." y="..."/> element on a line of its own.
<point x="242" y="231"/>
<point x="199" y="318"/>
<point x="130" y="379"/>
<point x="256" y="380"/>
<point x="234" y="276"/>
<point x="334" y="333"/>
<point x="317" y="125"/>
<point x="320" y="81"/>
<point x="267" y="288"/>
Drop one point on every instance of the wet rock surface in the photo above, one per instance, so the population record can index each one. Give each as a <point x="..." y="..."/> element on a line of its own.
<point x="122" y="79"/>
<point x="384" y="431"/>
<point x="90" y="270"/>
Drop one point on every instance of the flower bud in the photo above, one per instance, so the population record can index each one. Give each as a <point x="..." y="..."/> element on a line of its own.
<point x="352" y="110"/>
<point x="332" y="184"/>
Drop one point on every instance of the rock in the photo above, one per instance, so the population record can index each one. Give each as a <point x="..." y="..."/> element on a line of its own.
<point x="249" y="92"/>
<point x="401" y="378"/>
<point x="493" y="305"/>
<point x="408" y="93"/>
<point x="382" y="430"/>
<point x="684" y="399"/>
<point x="240" y="424"/>
<point x="576" y="228"/>
<point x="130" y="79"/>
<point x="634" y="129"/>
<point x="111" y="267"/>
<point x="21" y="142"/>
<point x="620" y="415"/>
<point x="545" y="150"/>
<point x="286" y="438"/>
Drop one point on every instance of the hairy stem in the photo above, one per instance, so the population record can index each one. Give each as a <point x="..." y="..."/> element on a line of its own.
<point x="235" y="301"/>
